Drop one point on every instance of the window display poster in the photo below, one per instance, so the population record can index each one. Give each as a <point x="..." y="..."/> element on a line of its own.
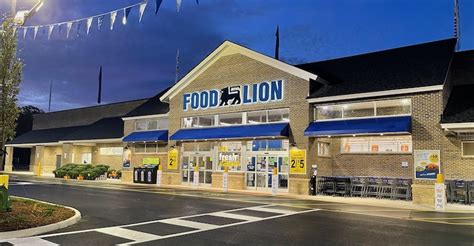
<point x="298" y="161"/>
<point x="127" y="156"/>
<point x="427" y="164"/>
<point x="229" y="159"/>
<point x="172" y="159"/>
<point x="151" y="161"/>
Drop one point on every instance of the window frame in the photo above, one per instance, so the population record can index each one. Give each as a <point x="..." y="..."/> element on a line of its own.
<point x="329" y="148"/>
<point x="462" y="149"/>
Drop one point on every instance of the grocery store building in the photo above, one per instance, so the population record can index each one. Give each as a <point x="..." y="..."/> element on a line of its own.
<point x="393" y="113"/>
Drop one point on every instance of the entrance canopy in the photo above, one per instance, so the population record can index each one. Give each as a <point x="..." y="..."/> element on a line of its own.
<point x="233" y="132"/>
<point x="383" y="125"/>
<point x="147" y="136"/>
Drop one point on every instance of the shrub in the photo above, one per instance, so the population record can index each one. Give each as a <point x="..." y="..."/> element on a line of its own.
<point x="73" y="174"/>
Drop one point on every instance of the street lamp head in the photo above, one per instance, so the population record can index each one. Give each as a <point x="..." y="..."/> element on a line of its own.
<point x="20" y="17"/>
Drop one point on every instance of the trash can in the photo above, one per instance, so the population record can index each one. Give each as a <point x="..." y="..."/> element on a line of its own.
<point x="312" y="185"/>
<point x="150" y="172"/>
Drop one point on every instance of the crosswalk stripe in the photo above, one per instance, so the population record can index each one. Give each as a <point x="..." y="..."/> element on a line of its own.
<point x="271" y="210"/>
<point x="235" y="216"/>
<point x="31" y="241"/>
<point x="191" y="224"/>
<point x="135" y="236"/>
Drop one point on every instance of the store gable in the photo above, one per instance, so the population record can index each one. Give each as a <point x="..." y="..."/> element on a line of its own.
<point x="228" y="48"/>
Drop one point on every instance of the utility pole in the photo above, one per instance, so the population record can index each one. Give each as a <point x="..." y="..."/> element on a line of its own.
<point x="13" y="11"/>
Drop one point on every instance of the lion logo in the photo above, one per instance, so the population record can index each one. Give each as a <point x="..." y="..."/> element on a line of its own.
<point x="230" y="94"/>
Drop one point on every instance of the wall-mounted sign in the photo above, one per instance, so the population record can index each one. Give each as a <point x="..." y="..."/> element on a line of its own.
<point x="427" y="164"/>
<point x="151" y="161"/>
<point x="262" y="92"/>
<point x="229" y="159"/>
<point x="374" y="145"/>
<point x="297" y="161"/>
<point x="173" y="159"/>
<point x="127" y="157"/>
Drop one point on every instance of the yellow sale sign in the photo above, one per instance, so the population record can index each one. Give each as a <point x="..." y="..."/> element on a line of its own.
<point x="173" y="159"/>
<point x="298" y="161"/>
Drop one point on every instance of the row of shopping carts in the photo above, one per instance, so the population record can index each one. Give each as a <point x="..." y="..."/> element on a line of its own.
<point x="378" y="187"/>
<point x="460" y="191"/>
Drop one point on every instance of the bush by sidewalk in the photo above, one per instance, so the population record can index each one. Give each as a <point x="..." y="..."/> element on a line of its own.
<point x="81" y="171"/>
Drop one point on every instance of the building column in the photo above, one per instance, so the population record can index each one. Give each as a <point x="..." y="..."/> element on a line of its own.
<point x="68" y="150"/>
<point x="9" y="159"/>
<point x="38" y="160"/>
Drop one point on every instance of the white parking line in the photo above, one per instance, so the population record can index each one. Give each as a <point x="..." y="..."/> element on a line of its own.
<point x="31" y="241"/>
<point x="190" y="224"/>
<point x="135" y="236"/>
<point x="236" y="216"/>
<point x="271" y="210"/>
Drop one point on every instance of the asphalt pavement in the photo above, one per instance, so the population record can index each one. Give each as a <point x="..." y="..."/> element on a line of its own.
<point x="146" y="215"/>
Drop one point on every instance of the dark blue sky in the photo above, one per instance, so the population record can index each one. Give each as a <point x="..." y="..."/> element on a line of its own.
<point x="139" y="59"/>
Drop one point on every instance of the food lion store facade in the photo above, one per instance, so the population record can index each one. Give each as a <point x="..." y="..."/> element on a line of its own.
<point x="241" y="110"/>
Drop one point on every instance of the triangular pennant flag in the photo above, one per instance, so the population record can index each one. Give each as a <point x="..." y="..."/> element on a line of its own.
<point x="78" y="28"/>
<point x="126" y="12"/>
<point x="44" y="29"/>
<point x="113" y="16"/>
<point x="100" y="20"/>
<point x="89" y="23"/>
<point x="25" y="29"/>
<point x="35" y="32"/>
<point x="50" y="30"/>
<point x="178" y="5"/>
<point x="157" y="7"/>
<point x="141" y="10"/>
<point x="68" y="29"/>
<point x="60" y="27"/>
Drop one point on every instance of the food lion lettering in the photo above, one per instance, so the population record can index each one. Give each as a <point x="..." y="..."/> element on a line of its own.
<point x="262" y="92"/>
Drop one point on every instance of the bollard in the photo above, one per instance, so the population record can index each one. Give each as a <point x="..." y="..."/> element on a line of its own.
<point x="275" y="181"/>
<point x="158" y="175"/>
<point x="4" y="198"/>
<point x="440" y="193"/>
<point x="196" y="176"/>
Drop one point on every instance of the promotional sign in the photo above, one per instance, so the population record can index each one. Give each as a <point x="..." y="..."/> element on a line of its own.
<point x="262" y="92"/>
<point x="225" y="178"/>
<point x="440" y="196"/>
<point x="392" y="144"/>
<point x="151" y="161"/>
<point x="173" y="159"/>
<point x="127" y="157"/>
<point x="297" y="161"/>
<point x="229" y="159"/>
<point x="427" y="164"/>
<point x="275" y="181"/>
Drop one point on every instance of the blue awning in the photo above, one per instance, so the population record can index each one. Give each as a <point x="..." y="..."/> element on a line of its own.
<point x="229" y="132"/>
<point x="148" y="136"/>
<point x="389" y="125"/>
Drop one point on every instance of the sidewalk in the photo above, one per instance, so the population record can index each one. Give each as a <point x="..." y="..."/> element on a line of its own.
<point x="386" y="203"/>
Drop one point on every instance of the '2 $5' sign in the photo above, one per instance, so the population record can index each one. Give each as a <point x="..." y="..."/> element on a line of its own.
<point x="298" y="161"/>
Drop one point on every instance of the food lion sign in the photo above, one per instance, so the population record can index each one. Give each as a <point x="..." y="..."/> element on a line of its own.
<point x="262" y="92"/>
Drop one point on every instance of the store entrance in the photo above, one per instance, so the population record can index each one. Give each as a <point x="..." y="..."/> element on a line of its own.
<point x="204" y="161"/>
<point x="260" y="169"/>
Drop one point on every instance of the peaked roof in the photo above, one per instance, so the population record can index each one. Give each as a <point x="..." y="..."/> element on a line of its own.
<point x="228" y="48"/>
<point x="151" y="106"/>
<point x="420" y="65"/>
<point x="460" y="107"/>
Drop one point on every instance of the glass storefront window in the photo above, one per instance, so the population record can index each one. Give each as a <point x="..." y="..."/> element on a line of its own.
<point x="268" y="145"/>
<point x="230" y="119"/>
<point x="206" y="121"/>
<point x="393" y="107"/>
<point x="377" y="145"/>
<point x="279" y="115"/>
<point x="163" y="124"/>
<point x="358" y="110"/>
<point x="140" y="148"/>
<point x="152" y="125"/>
<point x="190" y="147"/>
<point x="205" y="146"/>
<point x="140" y="126"/>
<point x="328" y="112"/>
<point x="189" y="122"/>
<point x="323" y="149"/>
<point x="257" y="117"/>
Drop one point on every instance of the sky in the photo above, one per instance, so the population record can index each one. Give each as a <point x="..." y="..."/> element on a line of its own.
<point x="139" y="59"/>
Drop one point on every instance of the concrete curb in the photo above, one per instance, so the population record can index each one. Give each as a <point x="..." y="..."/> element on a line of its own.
<point x="42" y="229"/>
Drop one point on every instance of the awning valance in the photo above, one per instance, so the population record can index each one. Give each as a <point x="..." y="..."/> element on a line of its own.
<point x="233" y="132"/>
<point x="147" y="136"/>
<point x="382" y="125"/>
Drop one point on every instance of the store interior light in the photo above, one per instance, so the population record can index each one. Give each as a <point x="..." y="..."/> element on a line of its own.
<point x="353" y="135"/>
<point x="329" y="136"/>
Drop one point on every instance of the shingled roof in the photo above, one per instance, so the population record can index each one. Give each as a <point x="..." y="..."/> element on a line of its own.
<point x="151" y="107"/>
<point x="400" y="68"/>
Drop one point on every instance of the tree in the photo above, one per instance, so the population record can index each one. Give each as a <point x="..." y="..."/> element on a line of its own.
<point x="10" y="77"/>
<point x="25" y="119"/>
